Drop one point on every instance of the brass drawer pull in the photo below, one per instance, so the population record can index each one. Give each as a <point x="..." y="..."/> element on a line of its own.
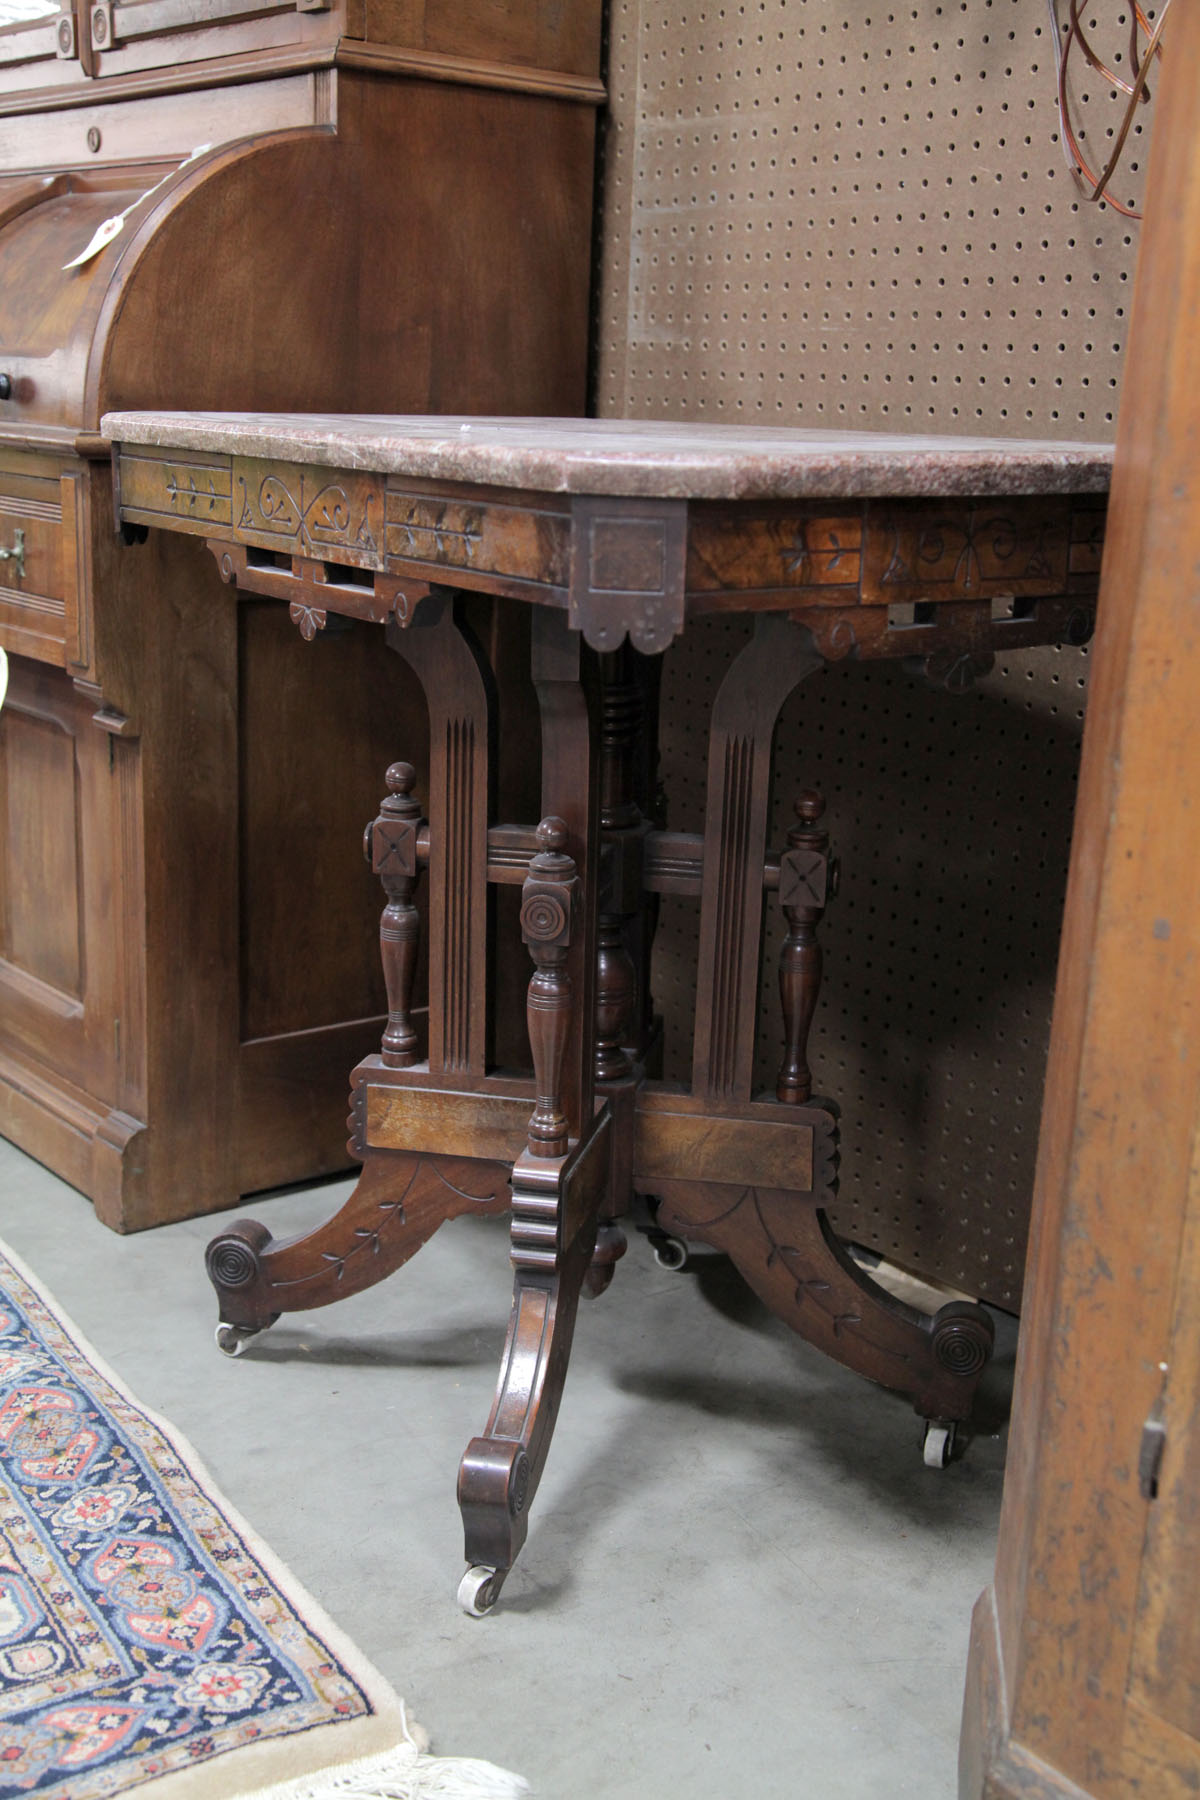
<point x="16" y="554"/>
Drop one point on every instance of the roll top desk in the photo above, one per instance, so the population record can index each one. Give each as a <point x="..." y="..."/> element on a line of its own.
<point x="359" y="203"/>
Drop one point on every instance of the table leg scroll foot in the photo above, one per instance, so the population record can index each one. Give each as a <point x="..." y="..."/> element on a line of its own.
<point x="234" y="1260"/>
<point x="495" y="1487"/>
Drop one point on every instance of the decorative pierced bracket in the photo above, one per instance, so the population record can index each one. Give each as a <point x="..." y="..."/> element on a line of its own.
<point x="315" y="591"/>
<point x="628" y="572"/>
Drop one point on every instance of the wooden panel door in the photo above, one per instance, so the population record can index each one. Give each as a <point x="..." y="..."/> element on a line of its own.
<point x="40" y="837"/>
<point x="70" y="901"/>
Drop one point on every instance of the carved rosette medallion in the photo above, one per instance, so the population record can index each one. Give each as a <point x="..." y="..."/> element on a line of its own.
<point x="544" y="920"/>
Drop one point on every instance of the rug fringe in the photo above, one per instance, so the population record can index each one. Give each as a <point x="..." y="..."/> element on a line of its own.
<point x="402" y="1774"/>
<point x="406" y="1772"/>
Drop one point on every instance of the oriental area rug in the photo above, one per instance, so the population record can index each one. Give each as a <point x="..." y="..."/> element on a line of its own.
<point x="150" y="1644"/>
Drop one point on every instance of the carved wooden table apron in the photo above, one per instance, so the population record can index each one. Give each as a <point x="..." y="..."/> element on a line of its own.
<point x="853" y="545"/>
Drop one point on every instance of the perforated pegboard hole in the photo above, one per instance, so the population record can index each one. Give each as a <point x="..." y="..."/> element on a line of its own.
<point x="768" y="187"/>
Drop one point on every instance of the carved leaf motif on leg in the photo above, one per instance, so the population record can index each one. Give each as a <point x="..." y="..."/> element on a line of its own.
<point x="783" y="1244"/>
<point x="426" y="1178"/>
<point x="400" y="1200"/>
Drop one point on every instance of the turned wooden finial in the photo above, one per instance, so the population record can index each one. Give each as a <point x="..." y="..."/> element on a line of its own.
<point x="547" y="903"/>
<point x="401" y="778"/>
<point x="392" y="849"/>
<point x="551" y="836"/>
<point x="803" y="889"/>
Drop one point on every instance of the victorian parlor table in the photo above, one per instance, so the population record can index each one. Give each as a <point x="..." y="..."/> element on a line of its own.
<point x="613" y="536"/>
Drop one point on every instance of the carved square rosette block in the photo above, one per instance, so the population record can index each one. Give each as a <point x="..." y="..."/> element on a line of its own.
<point x="803" y="878"/>
<point x="394" y="847"/>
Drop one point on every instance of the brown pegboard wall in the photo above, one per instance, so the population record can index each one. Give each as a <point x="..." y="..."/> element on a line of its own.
<point x="951" y="816"/>
<point x="832" y="212"/>
<point x="844" y="214"/>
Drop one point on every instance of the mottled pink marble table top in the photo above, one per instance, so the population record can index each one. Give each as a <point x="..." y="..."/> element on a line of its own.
<point x="636" y="457"/>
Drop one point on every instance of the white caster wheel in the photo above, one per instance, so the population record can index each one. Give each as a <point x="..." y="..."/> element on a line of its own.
<point x="938" y="1446"/>
<point x="479" y="1590"/>
<point x="231" y="1339"/>
<point x="670" y="1253"/>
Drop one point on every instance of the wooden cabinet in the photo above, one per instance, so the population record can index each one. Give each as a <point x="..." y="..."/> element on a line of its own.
<point x="1084" y="1677"/>
<point x="378" y="207"/>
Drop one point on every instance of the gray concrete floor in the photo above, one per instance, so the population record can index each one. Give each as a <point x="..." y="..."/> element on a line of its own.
<point x="740" y="1579"/>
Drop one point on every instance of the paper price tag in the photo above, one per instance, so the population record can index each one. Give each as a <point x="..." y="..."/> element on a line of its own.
<point x="104" y="233"/>
<point x="108" y="229"/>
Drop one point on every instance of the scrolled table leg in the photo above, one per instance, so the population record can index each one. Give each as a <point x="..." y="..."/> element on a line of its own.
<point x="501" y="1470"/>
<point x="553" y="1237"/>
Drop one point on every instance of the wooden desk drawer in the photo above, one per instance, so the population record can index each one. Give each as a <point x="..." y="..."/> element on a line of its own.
<point x="39" y="567"/>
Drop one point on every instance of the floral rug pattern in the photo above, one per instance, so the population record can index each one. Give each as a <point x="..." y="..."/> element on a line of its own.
<point x="139" y="1633"/>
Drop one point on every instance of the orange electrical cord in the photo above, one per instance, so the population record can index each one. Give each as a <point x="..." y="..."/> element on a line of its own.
<point x="1139" y="61"/>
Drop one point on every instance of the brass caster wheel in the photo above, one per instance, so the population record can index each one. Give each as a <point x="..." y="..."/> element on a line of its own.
<point x="937" y="1449"/>
<point x="479" y="1590"/>
<point x="231" y="1340"/>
